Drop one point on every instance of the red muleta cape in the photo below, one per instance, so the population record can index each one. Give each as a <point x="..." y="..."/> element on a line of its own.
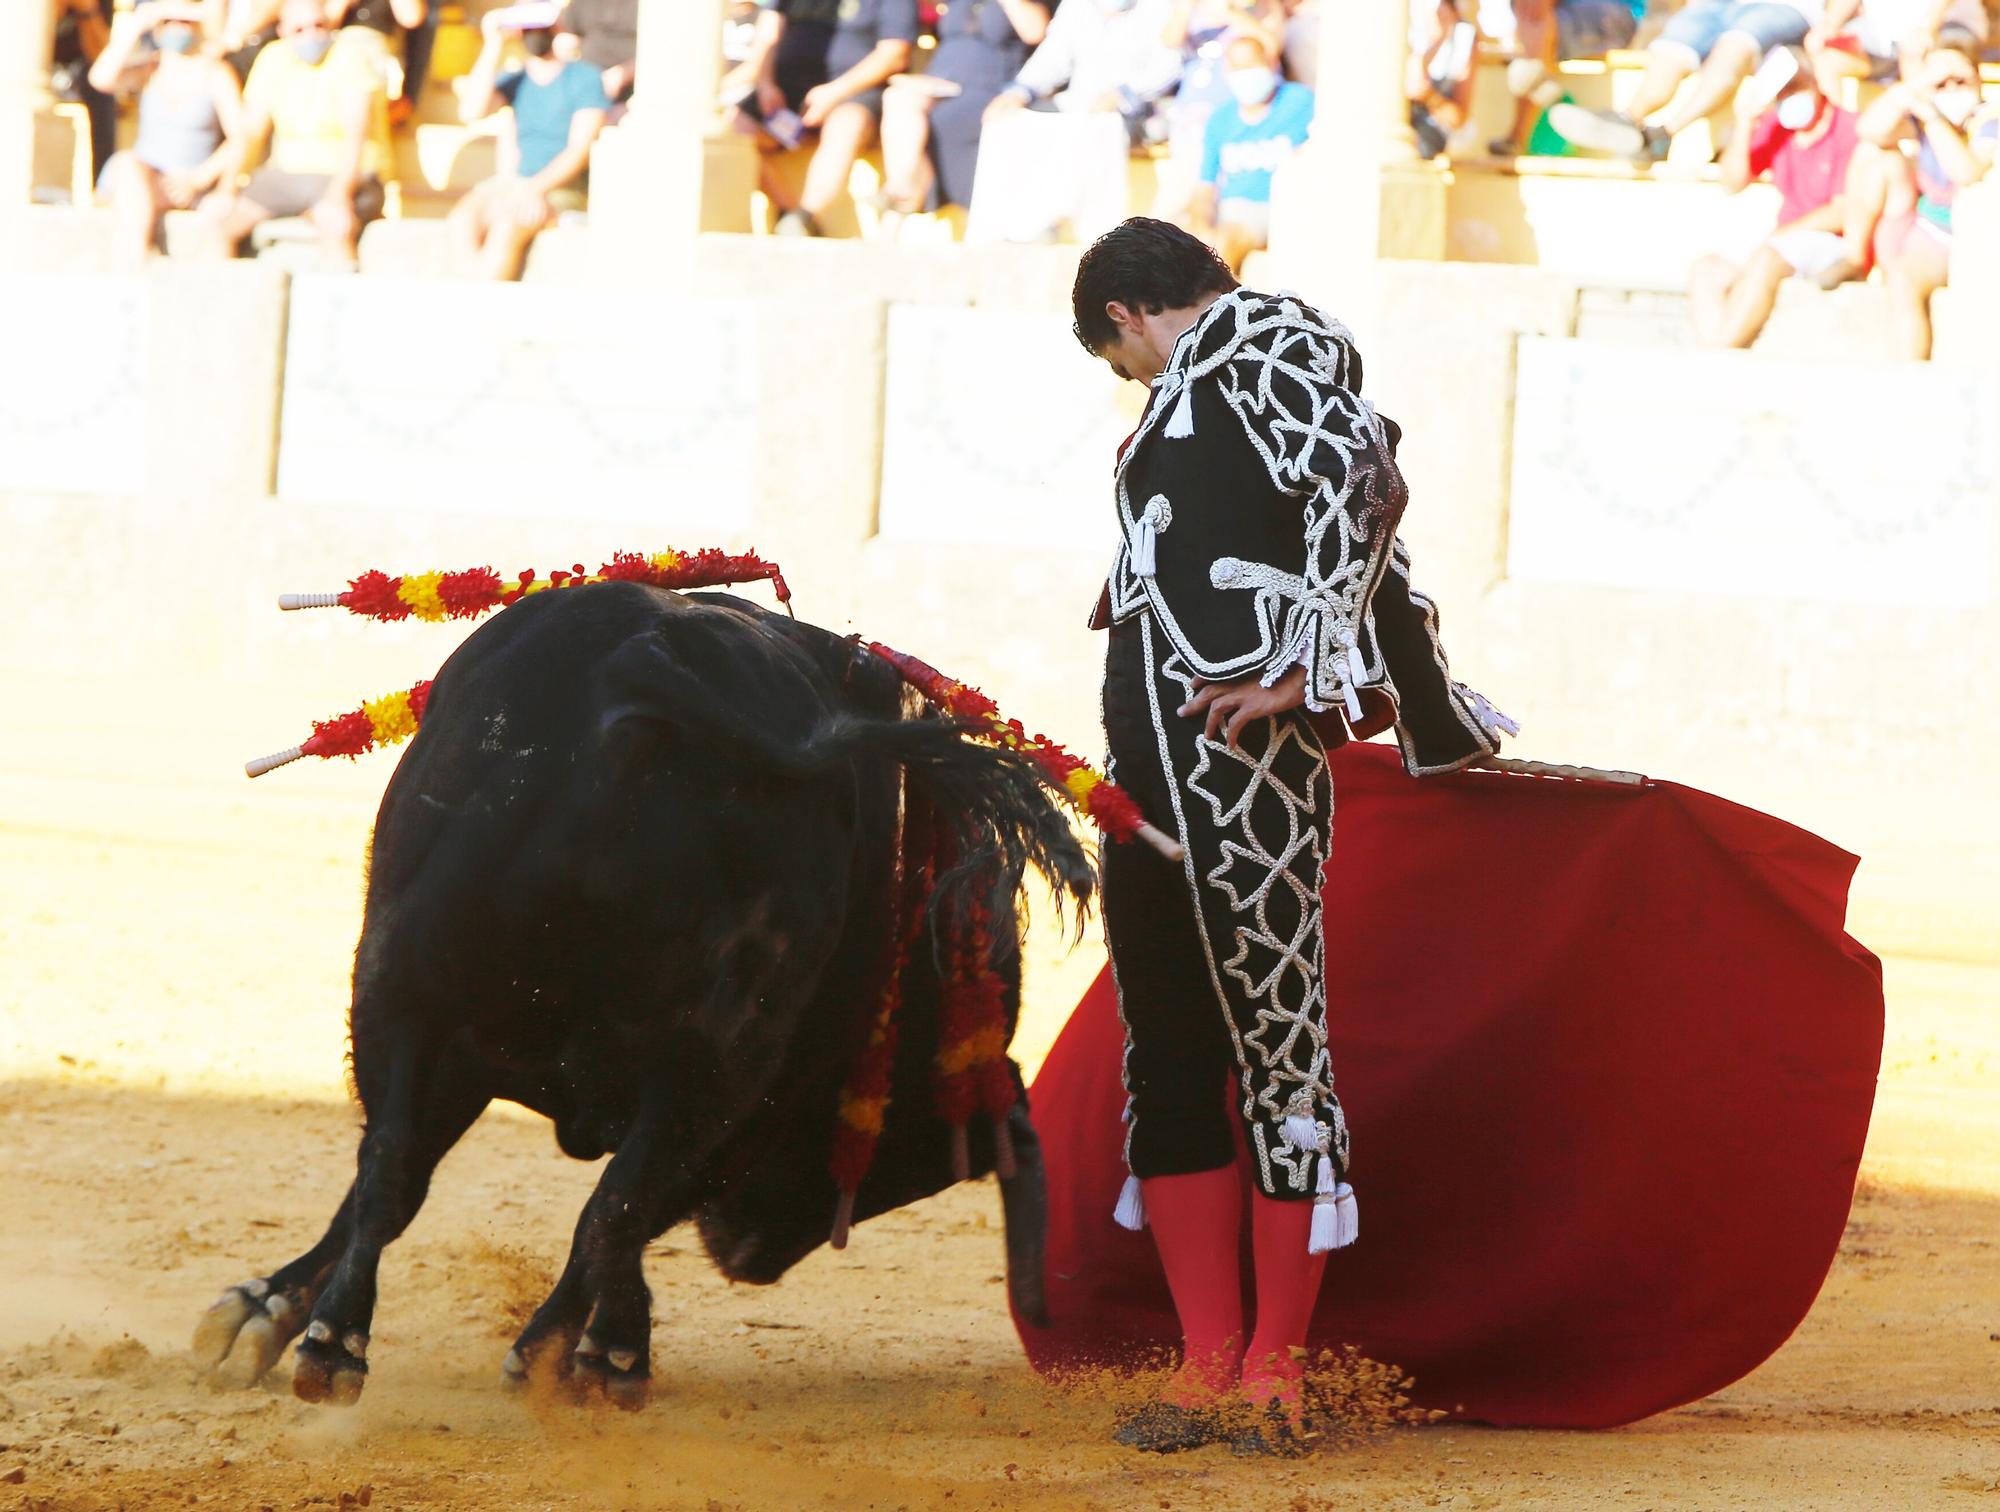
<point x="1609" y="1056"/>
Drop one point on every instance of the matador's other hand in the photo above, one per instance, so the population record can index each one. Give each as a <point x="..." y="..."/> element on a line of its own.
<point x="1229" y="706"/>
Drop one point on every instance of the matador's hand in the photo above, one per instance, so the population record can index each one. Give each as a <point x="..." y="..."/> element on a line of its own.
<point x="1228" y="706"/>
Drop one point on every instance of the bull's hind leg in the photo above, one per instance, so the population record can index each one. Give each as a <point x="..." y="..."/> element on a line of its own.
<point x="424" y="1102"/>
<point x="595" y="1330"/>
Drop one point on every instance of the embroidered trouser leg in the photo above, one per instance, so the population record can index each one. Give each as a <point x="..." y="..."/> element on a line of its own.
<point x="1218" y="960"/>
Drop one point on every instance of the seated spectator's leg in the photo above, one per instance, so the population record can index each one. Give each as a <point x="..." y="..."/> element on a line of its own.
<point x="137" y="203"/>
<point x="1751" y="298"/>
<point x="1709" y="283"/>
<point x="1734" y="59"/>
<point x="770" y="182"/>
<point x="1535" y="37"/>
<point x="225" y="221"/>
<point x="513" y="224"/>
<point x="467" y="226"/>
<point x="1667" y="65"/>
<point x="1914" y="274"/>
<point x="847" y="133"/>
<point x="1863" y="197"/>
<point x="1241" y="227"/>
<point x="1754" y="30"/>
<point x="906" y="159"/>
<point x="339" y="222"/>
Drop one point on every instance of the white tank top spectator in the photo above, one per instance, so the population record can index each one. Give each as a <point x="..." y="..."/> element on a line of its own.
<point x="190" y="112"/>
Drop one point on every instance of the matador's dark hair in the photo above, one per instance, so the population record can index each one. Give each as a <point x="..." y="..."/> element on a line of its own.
<point x="1147" y="265"/>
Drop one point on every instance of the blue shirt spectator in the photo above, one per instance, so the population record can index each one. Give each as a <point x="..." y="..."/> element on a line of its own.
<point x="543" y="112"/>
<point x="1239" y="155"/>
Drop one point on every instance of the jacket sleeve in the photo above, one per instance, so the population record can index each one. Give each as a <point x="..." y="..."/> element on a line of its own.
<point x="1441" y="724"/>
<point x="1325" y="447"/>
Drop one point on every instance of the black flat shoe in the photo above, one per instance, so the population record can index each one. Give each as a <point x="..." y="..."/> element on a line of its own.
<point x="1163" y="1428"/>
<point x="1275" y="1435"/>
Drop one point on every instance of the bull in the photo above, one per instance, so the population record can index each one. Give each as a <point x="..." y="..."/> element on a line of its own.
<point x="633" y="874"/>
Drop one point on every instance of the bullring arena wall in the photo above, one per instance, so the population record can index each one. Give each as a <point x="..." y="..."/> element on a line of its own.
<point x="1770" y="576"/>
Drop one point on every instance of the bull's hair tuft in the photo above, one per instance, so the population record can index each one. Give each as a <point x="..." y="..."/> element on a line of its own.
<point x="1004" y="817"/>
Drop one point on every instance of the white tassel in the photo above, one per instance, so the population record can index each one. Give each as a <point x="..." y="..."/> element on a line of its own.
<point x="1156" y="517"/>
<point x="1180" y="424"/>
<point x="1131" y="1210"/>
<point x="1352" y="700"/>
<point x="1357" y="672"/>
<point x="1336" y="1221"/>
<point x="1301" y="1131"/>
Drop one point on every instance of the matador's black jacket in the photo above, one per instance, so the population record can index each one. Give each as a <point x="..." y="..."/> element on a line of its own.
<point x="1257" y="507"/>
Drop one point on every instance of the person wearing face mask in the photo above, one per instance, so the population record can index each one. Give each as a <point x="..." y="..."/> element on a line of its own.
<point x="190" y="112"/>
<point x="555" y="109"/>
<point x="323" y="115"/>
<point x="1922" y="141"/>
<point x="1805" y="142"/>
<point x="1265" y="122"/>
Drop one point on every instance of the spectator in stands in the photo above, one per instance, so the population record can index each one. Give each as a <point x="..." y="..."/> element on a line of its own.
<point x="190" y="111"/>
<point x="1100" y="57"/>
<point x="379" y="29"/>
<point x="1547" y="32"/>
<point x="1806" y="142"/>
<point x="931" y="121"/>
<point x="555" y="110"/>
<point x="1885" y="39"/>
<point x="322" y="111"/>
<point x="609" y="33"/>
<point x="1201" y="30"/>
<point x="1264" y="123"/>
<point x="817" y="68"/>
<point x="247" y="26"/>
<point x="1719" y="43"/>
<point x="1444" y="48"/>
<point x="1899" y="207"/>
<point x="1056" y="141"/>
<point x="82" y="30"/>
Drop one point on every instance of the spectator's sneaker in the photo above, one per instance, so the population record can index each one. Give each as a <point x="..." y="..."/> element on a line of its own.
<point x="1609" y="132"/>
<point x="1164" y="1428"/>
<point x="1844" y="271"/>
<point x="1503" y="147"/>
<point x="796" y="223"/>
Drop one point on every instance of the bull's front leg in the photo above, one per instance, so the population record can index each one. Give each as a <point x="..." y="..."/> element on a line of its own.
<point x="594" y="1332"/>
<point x="419" y="1101"/>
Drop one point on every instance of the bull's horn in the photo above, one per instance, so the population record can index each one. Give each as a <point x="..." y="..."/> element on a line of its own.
<point x="1024" y="1203"/>
<point x="308" y="601"/>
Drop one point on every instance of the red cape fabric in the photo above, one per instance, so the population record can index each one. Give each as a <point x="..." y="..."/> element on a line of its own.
<point x="1609" y="1058"/>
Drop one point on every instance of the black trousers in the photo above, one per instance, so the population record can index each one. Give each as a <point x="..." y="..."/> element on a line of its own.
<point x="1218" y="960"/>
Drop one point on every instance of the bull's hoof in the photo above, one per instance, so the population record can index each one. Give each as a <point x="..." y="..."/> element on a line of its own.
<point x="622" y="1377"/>
<point x="240" y="1338"/>
<point x="514" y="1372"/>
<point x="330" y="1371"/>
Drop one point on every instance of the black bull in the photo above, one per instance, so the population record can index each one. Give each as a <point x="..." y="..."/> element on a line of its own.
<point x="634" y="873"/>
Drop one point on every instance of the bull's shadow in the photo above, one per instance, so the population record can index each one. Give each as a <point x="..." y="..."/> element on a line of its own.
<point x="634" y="873"/>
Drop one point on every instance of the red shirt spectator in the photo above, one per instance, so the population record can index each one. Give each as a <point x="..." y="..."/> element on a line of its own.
<point x="1809" y="166"/>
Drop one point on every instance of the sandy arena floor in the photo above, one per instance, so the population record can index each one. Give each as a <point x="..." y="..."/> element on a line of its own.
<point x="173" y="951"/>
